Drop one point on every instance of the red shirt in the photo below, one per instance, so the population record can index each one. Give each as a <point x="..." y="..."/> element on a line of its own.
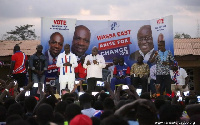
<point x="19" y="58"/>
<point x="82" y="72"/>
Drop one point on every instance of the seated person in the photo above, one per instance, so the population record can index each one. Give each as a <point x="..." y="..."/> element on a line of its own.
<point x="111" y="68"/>
<point x="139" y="74"/>
<point x="121" y="74"/>
<point x="81" y="72"/>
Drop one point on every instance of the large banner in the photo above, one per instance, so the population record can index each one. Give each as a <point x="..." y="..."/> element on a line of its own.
<point x="114" y="38"/>
<point x="129" y="39"/>
<point x="56" y="32"/>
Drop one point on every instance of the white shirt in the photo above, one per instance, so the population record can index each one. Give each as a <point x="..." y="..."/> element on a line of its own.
<point x="89" y="112"/>
<point x="147" y="56"/>
<point x="94" y="70"/>
<point x="70" y="58"/>
<point x="182" y="74"/>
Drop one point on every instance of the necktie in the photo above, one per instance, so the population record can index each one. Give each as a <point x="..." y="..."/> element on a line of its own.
<point x="65" y="62"/>
<point x="54" y="61"/>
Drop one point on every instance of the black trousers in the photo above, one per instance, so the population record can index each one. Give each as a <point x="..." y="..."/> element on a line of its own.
<point x="136" y="81"/>
<point x="91" y="82"/>
<point x="165" y="83"/>
<point x="21" y="79"/>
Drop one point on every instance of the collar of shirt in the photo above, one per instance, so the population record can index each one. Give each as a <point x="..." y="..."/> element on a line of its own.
<point x="147" y="56"/>
<point x="50" y="57"/>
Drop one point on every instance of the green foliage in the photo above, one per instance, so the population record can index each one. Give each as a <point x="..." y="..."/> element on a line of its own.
<point x="183" y="35"/>
<point x="21" y="33"/>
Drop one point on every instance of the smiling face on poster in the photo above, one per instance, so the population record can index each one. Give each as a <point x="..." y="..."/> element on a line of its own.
<point x="81" y="41"/>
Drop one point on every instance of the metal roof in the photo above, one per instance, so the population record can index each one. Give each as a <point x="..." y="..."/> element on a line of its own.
<point x="187" y="46"/>
<point x="26" y="46"/>
<point x="181" y="46"/>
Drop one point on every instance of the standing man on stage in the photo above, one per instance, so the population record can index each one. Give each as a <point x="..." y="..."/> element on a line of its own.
<point x="19" y="66"/>
<point x="164" y="59"/>
<point x="38" y="65"/>
<point x="94" y="63"/>
<point x="66" y="61"/>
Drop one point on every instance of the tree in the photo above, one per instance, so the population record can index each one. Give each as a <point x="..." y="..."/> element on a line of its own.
<point x="22" y="33"/>
<point x="183" y="35"/>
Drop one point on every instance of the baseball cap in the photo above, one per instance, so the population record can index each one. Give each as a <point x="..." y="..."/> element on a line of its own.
<point x="81" y="120"/>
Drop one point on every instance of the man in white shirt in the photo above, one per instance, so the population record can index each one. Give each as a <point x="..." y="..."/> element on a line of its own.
<point x="94" y="63"/>
<point x="66" y="61"/>
<point x="179" y="77"/>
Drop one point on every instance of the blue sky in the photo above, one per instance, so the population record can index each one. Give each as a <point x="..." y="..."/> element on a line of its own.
<point x="186" y="13"/>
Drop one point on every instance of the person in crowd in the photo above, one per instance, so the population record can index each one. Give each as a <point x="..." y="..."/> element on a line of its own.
<point x="67" y="61"/>
<point x="160" y="37"/>
<point x="153" y="79"/>
<point x="139" y="74"/>
<point x="179" y="77"/>
<point x="81" y="41"/>
<point x="85" y="103"/>
<point x="94" y="63"/>
<point x="38" y="65"/>
<point x="55" y="46"/>
<point x="29" y="104"/>
<point x="145" y="43"/>
<point x="71" y="111"/>
<point x="111" y="68"/>
<point x="121" y="74"/>
<point x="44" y="114"/>
<point x="19" y="66"/>
<point x="81" y="119"/>
<point x="145" y="111"/>
<point x="164" y="59"/>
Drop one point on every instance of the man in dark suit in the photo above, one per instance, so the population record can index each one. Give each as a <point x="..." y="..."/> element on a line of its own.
<point x="145" y="43"/>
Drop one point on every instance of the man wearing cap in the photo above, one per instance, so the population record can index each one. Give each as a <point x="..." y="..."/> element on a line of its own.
<point x="179" y="77"/>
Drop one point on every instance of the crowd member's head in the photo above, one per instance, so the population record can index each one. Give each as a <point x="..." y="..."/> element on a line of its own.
<point x="85" y="100"/>
<point x="15" y="108"/>
<point x="44" y="114"/>
<point x="67" y="49"/>
<point x="145" y="39"/>
<point x="114" y="120"/>
<point x="39" y="48"/>
<point x="108" y="104"/>
<point x="71" y="111"/>
<point x="160" y="37"/>
<point x="16" y="48"/>
<point x="61" y="106"/>
<point x="94" y="51"/>
<point x="169" y="113"/>
<point x="140" y="59"/>
<point x="161" y="46"/>
<point x="174" y="67"/>
<point x="56" y="44"/>
<point x="121" y="61"/>
<point x="30" y="103"/>
<point x="81" y="120"/>
<point x="115" y="61"/>
<point x="2" y="113"/>
<point x="81" y="40"/>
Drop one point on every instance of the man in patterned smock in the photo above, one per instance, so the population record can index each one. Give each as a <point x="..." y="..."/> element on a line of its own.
<point x="139" y="74"/>
<point x="164" y="59"/>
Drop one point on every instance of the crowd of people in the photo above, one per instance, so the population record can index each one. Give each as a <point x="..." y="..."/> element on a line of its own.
<point x="162" y="85"/>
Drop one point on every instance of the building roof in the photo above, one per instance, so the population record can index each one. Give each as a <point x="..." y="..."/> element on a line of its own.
<point x="187" y="46"/>
<point x="26" y="46"/>
<point x="181" y="47"/>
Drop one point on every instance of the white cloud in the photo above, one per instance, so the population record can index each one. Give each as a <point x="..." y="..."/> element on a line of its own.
<point x="20" y="12"/>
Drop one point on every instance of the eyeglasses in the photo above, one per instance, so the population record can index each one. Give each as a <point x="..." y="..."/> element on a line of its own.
<point x="147" y="38"/>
